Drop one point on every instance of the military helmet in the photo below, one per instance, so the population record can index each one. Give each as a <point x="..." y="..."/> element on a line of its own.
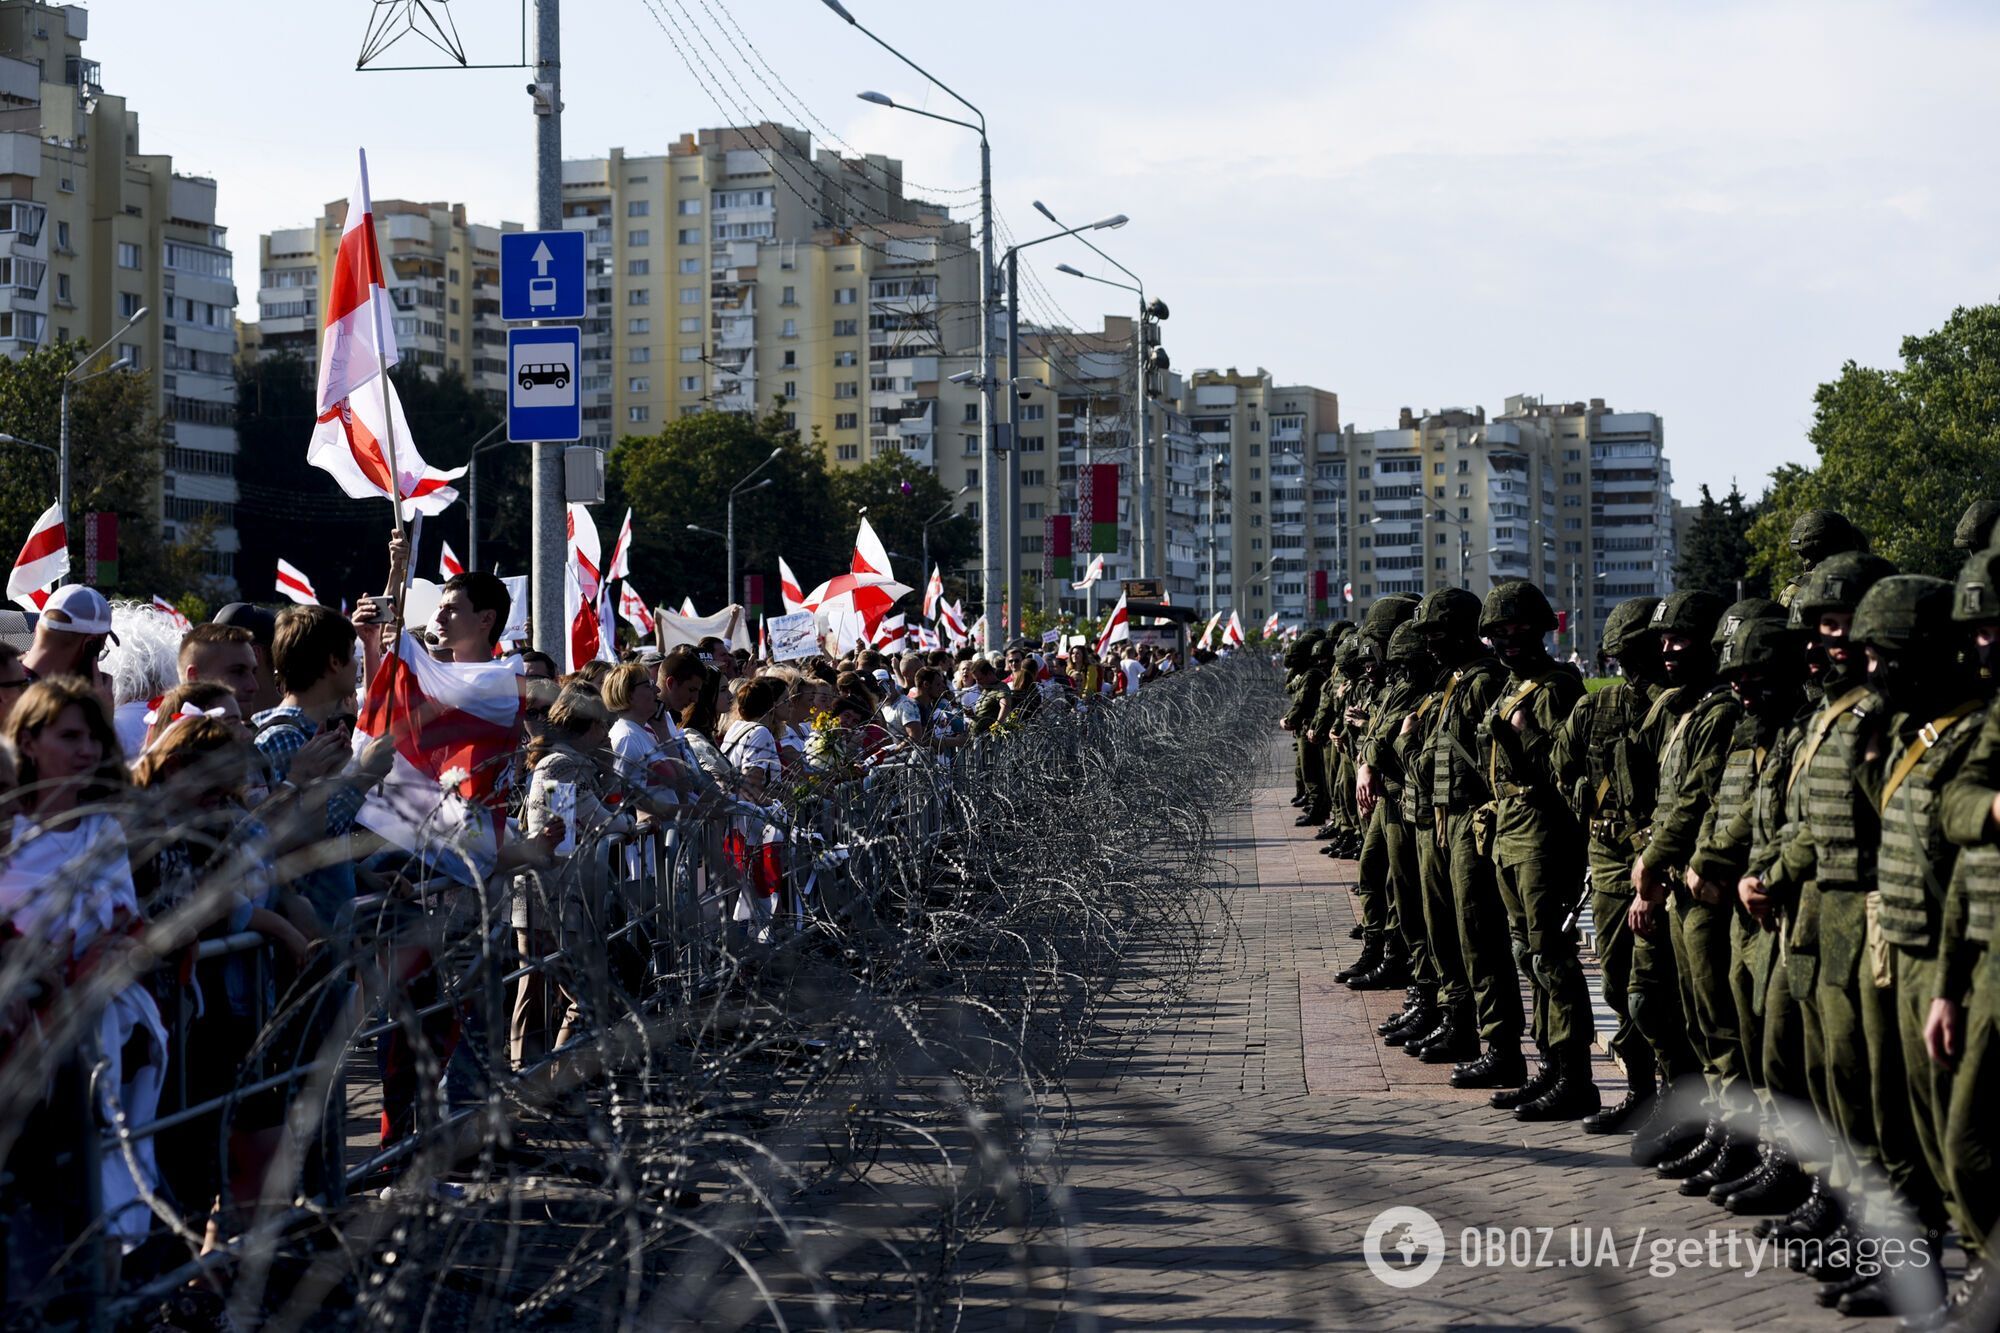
<point x="1750" y="608"/>
<point x="1820" y="533"/>
<point x="1347" y="657"/>
<point x="1903" y="611"/>
<point x="1975" y="526"/>
<point x="1387" y="613"/>
<point x="1629" y="619"/>
<point x="1520" y="602"/>
<point x="1406" y="643"/>
<point x="1978" y="594"/>
<point x="1760" y="643"/>
<point x="1452" y="612"/>
<point x="1340" y="629"/>
<point x="1691" y="615"/>
<point x="1836" y="584"/>
<point x="1324" y="650"/>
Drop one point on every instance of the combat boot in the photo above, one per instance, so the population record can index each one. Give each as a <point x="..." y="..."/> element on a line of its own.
<point x="1780" y="1188"/>
<point x="1818" y="1215"/>
<point x="1304" y="820"/>
<point x="1545" y="1078"/>
<point x="1500" y="1066"/>
<point x="1667" y="1131"/>
<point x="1574" y="1093"/>
<point x="1371" y="954"/>
<point x="1966" y="1308"/>
<point x="1626" y="1113"/>
<point x="1755" y="1171"/>
<point x="1418" y="1015"/>
<point x="1326" y="831"/>
<point x="1913" y="1289"/>
<point x="1391" y="971"/>
<point x="1735" y="1159"/>
<point x="1696" y="1158"/>
<point x="1454" y="1041"/>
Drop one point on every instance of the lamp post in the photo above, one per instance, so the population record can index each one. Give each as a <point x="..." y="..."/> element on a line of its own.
<point x="989" y="485"/>
<point x="1215" y="465"/>
<point x="69" y="381"/>
<point x="1142" y="531"/>
<point x="730" y="535"/>
<point x="481" y="445"/>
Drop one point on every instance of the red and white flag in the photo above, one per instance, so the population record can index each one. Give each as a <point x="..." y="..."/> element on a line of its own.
<point x="293" y="584"/>
<point x="621" y="551"/>
<point x="951" y="619"/>
<point x="763" y="641"/>
<point x="1347" y="592"/>
<point x="172" y="612"/>
<point x="350" y="444"/>
<point x="788" y="588"/>
<point x="1233" y="633"/>
<point x="455" y="726"/>
<point x="1091" y="574"/>
<point x="687" y="608"/>
<point x="581" y="583"/>
<point x="1208" y="635"/>
<point x="1271" y="626"/>
<point x="632" y="608"/>
<point x="359" y="340"/>
<point x="979" y="631"/>
<point x="889" y="635"/>
<point x="449" y="564"/>
<point x="43" y="560"/>
<point x="933" y="594"/>
<point x="1117" y="627"/>
<point x="870" y="556"/>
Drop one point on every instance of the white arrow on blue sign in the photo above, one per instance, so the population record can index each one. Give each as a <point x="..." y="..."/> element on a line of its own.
<point x="541" y="275"/>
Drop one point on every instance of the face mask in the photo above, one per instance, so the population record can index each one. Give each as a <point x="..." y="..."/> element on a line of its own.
<point x="1515" y="648"/>
<point x="1899" y="680"/>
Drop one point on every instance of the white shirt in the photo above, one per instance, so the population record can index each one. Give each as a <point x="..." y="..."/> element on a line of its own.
<point x="634" y="752"/>
<point x="129" y="721"/>
<point x="1132" y="672"/>
<point x="76" y="878"/>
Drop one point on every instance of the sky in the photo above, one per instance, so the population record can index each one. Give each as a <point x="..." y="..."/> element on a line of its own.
<point x="1699" y="209"/>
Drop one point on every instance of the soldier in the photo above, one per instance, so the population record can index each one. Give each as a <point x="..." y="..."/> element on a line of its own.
<point x="1341" y="830"/>
<point x="1538" y="850"/>
<point x="1386" y="856"/>
<point x="1975" y="526"/>
<point x="1315" y="663"/>
<point x="1391" y="759"/>
<point x="1606" y="754"/>
<point x="1457" y="787"/>
<point x="1298" y="660"/>
<point x="1817" y="534"/>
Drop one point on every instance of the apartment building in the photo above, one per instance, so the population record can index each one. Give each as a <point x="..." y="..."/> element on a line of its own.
<point x="95" y="231"/>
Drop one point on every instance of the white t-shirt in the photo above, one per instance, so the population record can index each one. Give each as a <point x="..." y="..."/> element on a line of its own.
<point x="634" y="753"/>
<point x="76" y="879"/>
<point x="1132" y="672"/>
<point x="902" y="713"/>
<point x="129" y="721"/>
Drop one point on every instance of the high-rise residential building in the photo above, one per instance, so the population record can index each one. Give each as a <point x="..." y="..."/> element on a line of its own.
<point x="95" y="231"/>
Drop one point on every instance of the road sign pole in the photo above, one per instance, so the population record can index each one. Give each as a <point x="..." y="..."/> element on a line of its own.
<point x="549" y="529"/>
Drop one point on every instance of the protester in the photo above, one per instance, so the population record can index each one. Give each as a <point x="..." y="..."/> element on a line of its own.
<point x="263" y="626"/>
<point x="70" y="635"/>
<point x="226" y="655"/>
<point x="13" y="680"/>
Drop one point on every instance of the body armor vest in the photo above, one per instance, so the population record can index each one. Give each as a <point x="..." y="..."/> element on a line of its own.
<point x="1456" y="780"/>
<point x="1823" y="793"/>
<point x="1915" y="860"/>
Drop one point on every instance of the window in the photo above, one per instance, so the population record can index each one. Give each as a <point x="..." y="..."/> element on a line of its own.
<point x="637" y="413"/>
<point x="1255" y="425"/>
<point x="1572" y="502"/>
<point x="638" y="268"/>
<point x="845" y="295"/>
<point x="1464" y="466"/>
<point x="130" y="352"/>
<point x="1572" y="479"/>
<point x="1572" y="525"/>
<point x="638" y="237"/>
<point x="128" y="255"/>
<point x="690" y="266"/>
<point x="790" y="297"/>
<point x="1033" y="444"/>
<point x="1572" y="548"/>
<point x="1437" y="492"/>
<point x="791" y="357"/>
<point x="692" y="352"/>
<point x="846" y="328"/>
<point x="847" y="389"/>
<point x="1031" y="545"/>
<point x="848" y="358"/>
<point x="971" y="444"/>
<point x="689" y="208"/>
<point x="1437" y="468"/>
<point x="847" y="453"/>
<point x="1572" y="455"/>
<point x="972" y="473"/>
<point x="638" y="356"/>
<point x="689" y="236"/>
<point x="1256" y="474"/>
<point x="640" y="324"/>
<point x="1438" y="563"/>
<point x="638" y="384"/>
<point x="1440" y="539"/>
<point x="690" y="296"/>
<point x="789" y="329"/>
<point x="691" y="324"/>
<point x="62" y="287"/>
<point x="128" y="305"/>
<point x="1032" y="411"/>
<point x="639" y="296"/>
<point x="1031" y="512"/>
<point x="846" y="420"/>
<point x="791" y="388"/>
<point x="637" y="208"/>
<point x="690" y="384"/>
<point x="1033" y="476"/>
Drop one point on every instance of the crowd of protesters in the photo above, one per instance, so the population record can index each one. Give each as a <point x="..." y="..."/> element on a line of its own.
<point x="167" y="786"/>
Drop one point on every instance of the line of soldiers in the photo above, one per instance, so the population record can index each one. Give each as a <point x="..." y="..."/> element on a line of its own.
<point x="1784" y="822"/>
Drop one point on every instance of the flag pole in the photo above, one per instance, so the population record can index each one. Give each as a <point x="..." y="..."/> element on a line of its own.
<point x="388" y="403"/>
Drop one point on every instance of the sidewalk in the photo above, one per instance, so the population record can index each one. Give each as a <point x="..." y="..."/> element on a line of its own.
<point x="1226" y="1158"/>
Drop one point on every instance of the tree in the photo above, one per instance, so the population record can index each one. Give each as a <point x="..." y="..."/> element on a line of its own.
<point x="1716" y="556"/>
<point x="117" y="450"/>
<point x="900" y="495"/>
<point x="1901" y="452"/>
<point x="683" y="475"/>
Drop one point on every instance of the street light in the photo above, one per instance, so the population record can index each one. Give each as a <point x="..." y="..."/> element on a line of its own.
<point x="990" y="516"/>
<point x="1143" y="529"/>
<point x="1013" y="537"/>
<point x="944" y="514"/>
<point x="70" y="381"/>
<point x="479" y="446"/>
<point x="730" y="536"/>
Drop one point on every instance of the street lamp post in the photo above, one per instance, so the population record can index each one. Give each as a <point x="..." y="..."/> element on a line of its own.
<point x="69" y="381"/>
<point x="989" y="485"/>
<point x="730" y="535"/>
<point x="479" y="446"/>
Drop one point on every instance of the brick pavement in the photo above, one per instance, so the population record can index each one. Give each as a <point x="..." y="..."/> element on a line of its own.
<point x="1225" y="1157"/>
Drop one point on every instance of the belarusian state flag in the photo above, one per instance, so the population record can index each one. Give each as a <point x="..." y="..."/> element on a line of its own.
<point x="455" y="725"/>
<point x="292" y="583"/>
<point x="44" y="559"/>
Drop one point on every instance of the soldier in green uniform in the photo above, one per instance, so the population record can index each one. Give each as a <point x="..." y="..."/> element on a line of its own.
<point x="1931" y="702"/>
<point x="1605" y="755"/>
<point x="1457" y="786"/>
<point x="1298" y="659"/>
<point x="1342" y="830"/>
<point x="1538" y="849"/>
<point x="1315" y="663"/>
<point x="1816" y="535"/>
<point x="1391" y="761"/>
<point x="1388" y="862"/>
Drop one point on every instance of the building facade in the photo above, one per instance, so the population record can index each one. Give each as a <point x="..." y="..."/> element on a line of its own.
<point x="96" y="231"/>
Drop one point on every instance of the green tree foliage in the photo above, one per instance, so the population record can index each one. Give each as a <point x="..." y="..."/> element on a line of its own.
<point x="684" y="474"/>
<point x="1716" y="555"/>
<point x="1901" y="452"/>
<point x="116" y="454"/>
<point x="900" y="495"/>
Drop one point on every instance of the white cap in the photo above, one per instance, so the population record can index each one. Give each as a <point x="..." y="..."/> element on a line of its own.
<point x="76" y="608"/>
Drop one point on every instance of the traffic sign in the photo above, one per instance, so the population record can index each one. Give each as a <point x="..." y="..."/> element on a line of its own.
<point x="541" y="275"/>
<point x="542" y="398"/>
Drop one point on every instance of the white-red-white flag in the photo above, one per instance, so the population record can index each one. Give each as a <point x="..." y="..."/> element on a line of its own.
<point x="763" y="640"/>
<point x="1271" y="626"/>
<point x="889" y="635"/>
<point x="789" y="589"/>
<point x="1233" y="633"/>
<point x="358" y="343"/>
<point x="293" y="584"/>
<point x="1117" y="627"/>
<point x="979" y="631"/>
<point x="1208" y="635"/>
<point x="1091" y="574"/>
<point x="43" y="560"/>
<point x="581" y="583"/>
<point x="350" y="444"/>
<point x="1347" y="592"/>
<point x="951" y="619"/>
<point x="455" y="725"/>
<point x="632" y="609"/>
<point x="449" y="565"/>
<point x="870" y="556"/>
<point x="933" y="594"/>
<point x="621" y="550"/>
<point x="172" y="612"/>
<point x="687" y="608"/>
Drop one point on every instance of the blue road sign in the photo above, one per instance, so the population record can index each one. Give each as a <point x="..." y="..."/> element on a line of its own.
<point x="541" y="275"/>
<point x="543" y="402"/>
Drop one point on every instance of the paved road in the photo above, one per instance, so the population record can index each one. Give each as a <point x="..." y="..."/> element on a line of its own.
<point x="1227" y="1154"/>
